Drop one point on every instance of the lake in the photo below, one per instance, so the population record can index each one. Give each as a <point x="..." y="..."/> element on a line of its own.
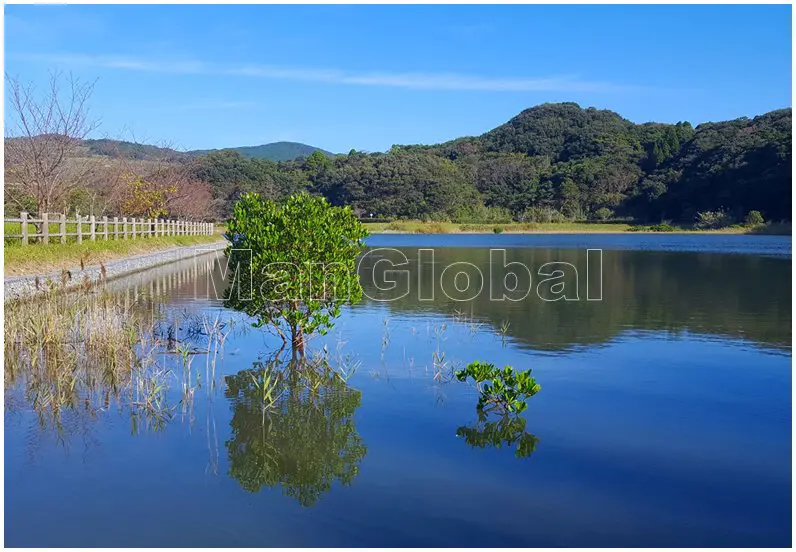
<point x="664" y="416"/>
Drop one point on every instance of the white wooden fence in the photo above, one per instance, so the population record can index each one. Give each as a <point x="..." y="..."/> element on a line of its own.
<point x="91" y="228"/>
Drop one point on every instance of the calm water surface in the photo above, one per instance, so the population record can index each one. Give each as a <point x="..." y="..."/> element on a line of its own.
<point x="664" y="417"/>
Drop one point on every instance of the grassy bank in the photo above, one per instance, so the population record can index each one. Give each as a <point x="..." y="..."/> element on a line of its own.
<point x="419" y="227"/>
<point x="38" y="259"/>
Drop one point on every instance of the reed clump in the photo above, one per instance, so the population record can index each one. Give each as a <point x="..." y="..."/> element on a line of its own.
<point x="68" y="348"/>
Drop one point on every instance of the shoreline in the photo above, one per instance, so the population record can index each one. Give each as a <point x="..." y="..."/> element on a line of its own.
<point x="548" y="232"/>
<point x="432" y="227"/>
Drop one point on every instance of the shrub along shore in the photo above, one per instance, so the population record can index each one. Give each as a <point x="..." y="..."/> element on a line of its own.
<point x="423" y="227"/>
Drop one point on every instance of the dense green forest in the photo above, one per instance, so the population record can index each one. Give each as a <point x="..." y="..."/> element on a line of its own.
<point x="550" y="162"/>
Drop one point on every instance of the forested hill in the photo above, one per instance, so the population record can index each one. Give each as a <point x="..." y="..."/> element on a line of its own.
<point x="550" y="162"/>
<point x="276" y="151"/>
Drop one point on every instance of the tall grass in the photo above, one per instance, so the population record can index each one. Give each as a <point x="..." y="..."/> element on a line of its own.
<point x="71" y="347"/>
<point x="88" y="349"/>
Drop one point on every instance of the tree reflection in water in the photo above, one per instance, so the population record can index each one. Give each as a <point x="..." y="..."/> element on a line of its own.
<point x="305" y="441"/>
<point x="509" y="430"/>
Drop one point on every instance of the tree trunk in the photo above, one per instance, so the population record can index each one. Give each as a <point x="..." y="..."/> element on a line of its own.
<point x="297" y="341"/>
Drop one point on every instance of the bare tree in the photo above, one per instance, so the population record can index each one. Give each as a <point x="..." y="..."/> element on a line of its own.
<point x="154" y="183"/>
<point x="43" y="137"/>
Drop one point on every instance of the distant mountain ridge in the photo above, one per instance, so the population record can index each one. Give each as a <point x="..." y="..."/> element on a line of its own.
<point x="275" y="151"/>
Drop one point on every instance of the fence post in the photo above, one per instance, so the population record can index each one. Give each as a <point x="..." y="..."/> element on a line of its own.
<point x="115" y="228"/>
<point x="133" y="220"/>
<point x="93" y="227"/>
<point x="105" y="227"/>
<point x="45" y="228"/>
<point x="149" y="227"/>
<point x="79" y="227"/>
<point x="124" y="228"/>
<point x="63" y="227"/>
<point x="23" y="215"/>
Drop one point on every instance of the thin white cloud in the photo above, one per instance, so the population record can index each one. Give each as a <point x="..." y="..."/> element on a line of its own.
<point x="417" y="81"/>
<point x="211" y="105"/>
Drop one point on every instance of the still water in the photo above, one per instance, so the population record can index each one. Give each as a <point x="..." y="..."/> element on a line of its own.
<point x="664" y="417"/>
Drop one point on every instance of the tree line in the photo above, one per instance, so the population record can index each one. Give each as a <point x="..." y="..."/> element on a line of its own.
<point x="552" y="162"/>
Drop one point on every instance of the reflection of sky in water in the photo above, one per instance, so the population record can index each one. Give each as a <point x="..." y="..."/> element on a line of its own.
<point x="658" y="434"/>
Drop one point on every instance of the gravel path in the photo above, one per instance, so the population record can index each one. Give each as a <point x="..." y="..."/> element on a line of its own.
<point x="21" y="286"/>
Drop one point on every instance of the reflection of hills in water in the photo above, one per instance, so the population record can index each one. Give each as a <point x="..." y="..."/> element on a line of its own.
<point x="740" y="296"/>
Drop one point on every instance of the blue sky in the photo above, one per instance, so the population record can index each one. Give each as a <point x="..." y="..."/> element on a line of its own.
<point x="367" y="77"/>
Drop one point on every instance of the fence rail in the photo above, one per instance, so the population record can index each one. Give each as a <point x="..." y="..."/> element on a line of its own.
<point x="81" y="228"/>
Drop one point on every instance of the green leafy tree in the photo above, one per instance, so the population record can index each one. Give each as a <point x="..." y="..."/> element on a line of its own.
<point x="317" y="161"/>
<point x="293" y="265"/>
<point x="603" y="213"/>
<point x="754" y="218"/>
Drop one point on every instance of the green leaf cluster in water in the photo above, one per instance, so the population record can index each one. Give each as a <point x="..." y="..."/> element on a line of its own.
<point x="505" y="390"/>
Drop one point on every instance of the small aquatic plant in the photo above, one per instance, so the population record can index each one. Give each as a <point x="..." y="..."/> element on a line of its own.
<point x="266" y="382"/>
<point x="504" y="331"/>
<point x="438" y="358"/>
<point x="505" y="390"/>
